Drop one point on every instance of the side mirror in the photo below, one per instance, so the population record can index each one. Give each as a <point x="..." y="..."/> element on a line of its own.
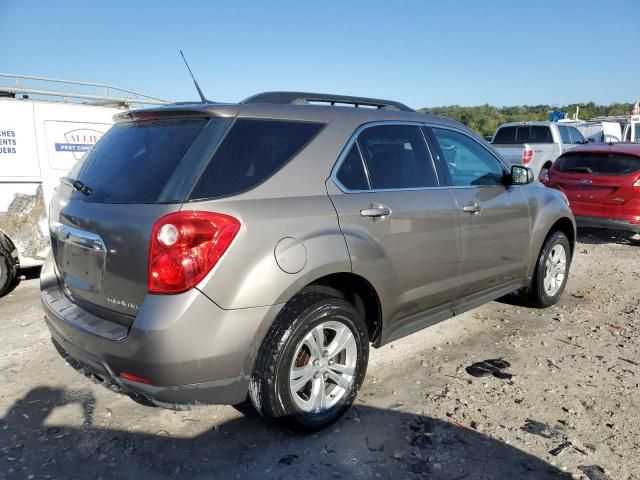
<point x="521" y="175"/>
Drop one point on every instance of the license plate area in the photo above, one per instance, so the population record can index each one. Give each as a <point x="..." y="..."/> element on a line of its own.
<point x="80" y="257"/>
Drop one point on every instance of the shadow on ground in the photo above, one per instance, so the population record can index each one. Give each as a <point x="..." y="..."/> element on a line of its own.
<point x="600" y="235"/>
<point x="367" y="443"/>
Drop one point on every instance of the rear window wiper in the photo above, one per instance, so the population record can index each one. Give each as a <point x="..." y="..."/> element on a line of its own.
<point x="77" y="184"/>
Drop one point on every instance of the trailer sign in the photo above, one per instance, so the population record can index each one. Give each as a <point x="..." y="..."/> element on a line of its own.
<point x="8" y="141"/>
<point x="67" y="142"/>
<point x="78" y="141"/>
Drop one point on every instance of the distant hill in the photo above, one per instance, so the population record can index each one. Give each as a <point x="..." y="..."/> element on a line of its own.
<point x="486" y="118"/>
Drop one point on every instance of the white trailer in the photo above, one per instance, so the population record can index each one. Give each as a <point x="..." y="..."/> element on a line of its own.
<point x="40" y="140"/>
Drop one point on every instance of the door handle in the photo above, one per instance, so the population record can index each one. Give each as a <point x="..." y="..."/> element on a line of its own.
<point x="376" y="211"/>
<point x="471" y="208"/>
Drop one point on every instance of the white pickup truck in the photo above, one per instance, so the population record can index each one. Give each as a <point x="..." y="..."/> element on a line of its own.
<point x="535" y="144"/>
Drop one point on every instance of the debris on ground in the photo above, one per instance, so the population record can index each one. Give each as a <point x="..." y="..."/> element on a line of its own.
<point x="594" y="472"/>
<point x="560" y="449"/>
<point x="538" y="428"/>
<point x="494" y="366"/>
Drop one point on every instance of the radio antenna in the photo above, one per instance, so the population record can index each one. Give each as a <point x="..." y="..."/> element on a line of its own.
<point x="195" y="82"/>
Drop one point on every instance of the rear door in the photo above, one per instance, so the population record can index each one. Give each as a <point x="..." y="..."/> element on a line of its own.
<point x="100" y="237"/>
<point x="494" y="218"/>
<point x="400" y="223"/>
<point x="565" y="137"/>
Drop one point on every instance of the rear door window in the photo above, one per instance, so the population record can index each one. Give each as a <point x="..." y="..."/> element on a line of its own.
<point x="564" y="134"/>
<point x="396" y="157"/>
<point x="598" y="163"/>
<point x="352" y="174"/>
<point x="576" y="136"/>
<point x="251" y="152"/>
<point x="133" y="161"/>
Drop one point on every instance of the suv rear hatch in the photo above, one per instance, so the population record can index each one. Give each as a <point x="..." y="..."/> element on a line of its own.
<point x="103" y="214"/>
<point x="597" y="177"/>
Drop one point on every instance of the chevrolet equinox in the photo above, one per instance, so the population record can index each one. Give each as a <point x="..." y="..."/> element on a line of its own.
<point x="206" y="253"/>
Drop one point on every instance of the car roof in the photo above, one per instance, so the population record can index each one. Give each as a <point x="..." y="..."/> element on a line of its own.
<point x="296" y="106"/>
<point x="533" y="122"/>
<point x="625" y="148"/>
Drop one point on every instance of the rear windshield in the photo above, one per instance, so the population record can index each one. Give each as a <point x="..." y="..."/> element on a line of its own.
<point x="523" y="134"/>
<point x="133" y="161"/>
<point x="598" y="163"/>
<point x="252" y="151"/>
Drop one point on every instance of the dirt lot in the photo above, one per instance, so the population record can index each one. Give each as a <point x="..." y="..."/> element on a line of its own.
<point x="576" y="377"/>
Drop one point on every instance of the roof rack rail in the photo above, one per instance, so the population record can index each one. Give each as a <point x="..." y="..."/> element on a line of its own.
<point x="104" y="99"/>
<point x="612" y="118"/>
<point x="306" y="98"/>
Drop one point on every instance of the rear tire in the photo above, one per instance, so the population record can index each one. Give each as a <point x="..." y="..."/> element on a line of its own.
<point x="311" y="363"/>
<point x="551" y="272"/>
<point x="8" y="273"/>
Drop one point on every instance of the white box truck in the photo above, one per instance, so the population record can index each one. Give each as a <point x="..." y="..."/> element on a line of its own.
<point x="40" y="140"/>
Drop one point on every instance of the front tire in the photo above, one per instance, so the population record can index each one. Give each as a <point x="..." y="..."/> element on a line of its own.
<point x="311" y="363"/>
<point x="552" y="271"/>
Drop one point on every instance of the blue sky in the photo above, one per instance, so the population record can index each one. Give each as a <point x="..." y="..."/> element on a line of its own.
<point x="423" y="53"/>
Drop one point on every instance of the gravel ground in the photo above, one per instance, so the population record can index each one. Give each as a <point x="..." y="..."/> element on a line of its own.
<point x="575" y="388"/>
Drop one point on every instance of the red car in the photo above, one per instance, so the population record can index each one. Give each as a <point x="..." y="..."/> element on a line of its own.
<point x="602" y="183"/>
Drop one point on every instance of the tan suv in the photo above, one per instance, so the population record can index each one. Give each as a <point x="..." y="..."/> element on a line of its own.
<point x="206" y="252"/>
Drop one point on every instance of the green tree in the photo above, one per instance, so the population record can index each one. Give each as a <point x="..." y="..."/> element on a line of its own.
<point x="485" y="119"/>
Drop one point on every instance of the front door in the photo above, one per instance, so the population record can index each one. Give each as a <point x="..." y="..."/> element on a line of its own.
<point x="494" y="218"/>
<point x="401" y="226"/>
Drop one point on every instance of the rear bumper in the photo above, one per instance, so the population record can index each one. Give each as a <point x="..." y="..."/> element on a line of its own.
<point x="610" y="223"/>
<point x="188" y="348"/>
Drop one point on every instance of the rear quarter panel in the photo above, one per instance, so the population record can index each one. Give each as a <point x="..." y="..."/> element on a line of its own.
<point x="249" y="275"/>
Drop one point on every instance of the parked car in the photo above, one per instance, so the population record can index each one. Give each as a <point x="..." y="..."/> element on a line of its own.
<point x="535" y="144"/>
<point x="602" y="183"/>
<point x="40" y="140"/>
<point x="205" y="251"/>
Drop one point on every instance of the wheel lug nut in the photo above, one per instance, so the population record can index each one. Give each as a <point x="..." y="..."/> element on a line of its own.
<point x="325" y="353"/>
<point x="316" y="363"/>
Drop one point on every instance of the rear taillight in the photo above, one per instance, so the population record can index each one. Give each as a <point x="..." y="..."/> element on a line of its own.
<point x="527" y="156"/>
<point x="185" y="246"/>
